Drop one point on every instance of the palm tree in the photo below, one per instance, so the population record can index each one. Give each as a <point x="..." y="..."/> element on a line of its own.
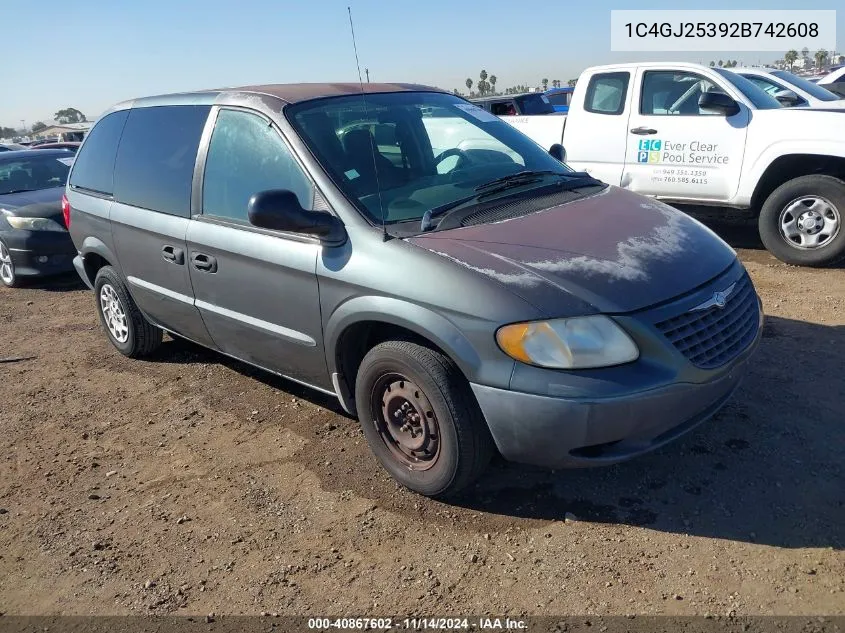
<point x="571" y="83"/>
<point x="545" y="83"/>
<point x="469" y="85"/>
<point x="721" y="63"/>
<point x="712" y="63"/>
<point x="790" y="58"/>
<point x="840" y="59"/>
<point x="821" y="58"/>
<point x="493" y="84"/>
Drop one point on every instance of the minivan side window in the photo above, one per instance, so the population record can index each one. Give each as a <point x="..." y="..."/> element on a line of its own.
<point x="156" y="158"/>
<point x="93" y="168"/>
<point x="606" y="93"/>
<point x="247" y="155"/>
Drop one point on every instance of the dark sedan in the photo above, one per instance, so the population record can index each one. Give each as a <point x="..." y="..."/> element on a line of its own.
<point x="69" y="145"/>
<point x="33" y="237"/>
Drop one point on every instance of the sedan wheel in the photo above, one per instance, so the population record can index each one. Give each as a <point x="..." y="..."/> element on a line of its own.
<point x="7" y="267"/>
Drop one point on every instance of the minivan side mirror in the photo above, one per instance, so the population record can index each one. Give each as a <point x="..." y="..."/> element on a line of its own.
<point x="718" y="102"/>
<point x="279" y="210"/>
<point x="788" y="98"/>
<point x="558" y="152"/>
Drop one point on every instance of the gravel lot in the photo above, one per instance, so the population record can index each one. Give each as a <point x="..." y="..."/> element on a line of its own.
<point x="190" y="483"/>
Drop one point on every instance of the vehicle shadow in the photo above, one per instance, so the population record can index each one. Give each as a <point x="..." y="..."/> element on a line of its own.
<point x="66" y="282"/>
<point x="766" y="469"/>
<point x="175" y="350"/>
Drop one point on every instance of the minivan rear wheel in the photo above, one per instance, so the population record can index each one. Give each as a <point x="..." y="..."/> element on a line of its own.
<point x="420" y="418"/>
<point x="125" y="325"/>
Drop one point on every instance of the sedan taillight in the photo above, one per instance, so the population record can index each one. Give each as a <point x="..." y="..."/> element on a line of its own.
<point x="66" y="211"/>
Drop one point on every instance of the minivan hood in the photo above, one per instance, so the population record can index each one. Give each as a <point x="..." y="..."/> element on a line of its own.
<point x="34" y="204"/>
<point x="616" y="251"/>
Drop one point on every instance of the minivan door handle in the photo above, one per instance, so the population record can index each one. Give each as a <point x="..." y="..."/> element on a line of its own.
<point x="172" y="254"/>
<point x="643" y="131"/>
<point x="204" y="263"/>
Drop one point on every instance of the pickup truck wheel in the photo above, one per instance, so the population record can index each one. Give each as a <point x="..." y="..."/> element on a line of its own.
<point x="127" y="328"/>
<point x="801" y="222"/>
<point x="421" y="419"/>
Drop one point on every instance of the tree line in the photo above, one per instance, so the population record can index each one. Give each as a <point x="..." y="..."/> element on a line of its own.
<point x="62" y="117"/>
<point x="486" y="86"/>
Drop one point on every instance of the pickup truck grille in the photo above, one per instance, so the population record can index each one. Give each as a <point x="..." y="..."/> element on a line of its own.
<point x="711" y="337"/>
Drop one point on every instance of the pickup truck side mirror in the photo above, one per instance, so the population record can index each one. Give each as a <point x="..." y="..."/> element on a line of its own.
<point x="788" y="98"/>
<point x="558" y="152"/>
<point x="718" y="102"/>
<point x="279" y="210"/>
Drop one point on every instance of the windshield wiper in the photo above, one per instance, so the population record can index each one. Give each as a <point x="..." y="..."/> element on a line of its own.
<point x="18" y="191"/>
<point x="575" y="180"/>
<point x="519" y="178"/>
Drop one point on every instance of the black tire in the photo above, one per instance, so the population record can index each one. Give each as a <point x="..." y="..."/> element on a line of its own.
<point x="142" y="337"/>
<point x="465" y="445"/>
<point x="828" y="253"/>
<point x="11" y="280"/>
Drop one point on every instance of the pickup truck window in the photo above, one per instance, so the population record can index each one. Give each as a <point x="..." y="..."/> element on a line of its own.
<point x="807" y="86"/>
<point x="503" y="108"/>
<point x="670" y="92"/>
<point x="534" y="104"/>
<point x="755" y="95"/>
<point x="606" y="93"/>
<point x="401" y="154"/>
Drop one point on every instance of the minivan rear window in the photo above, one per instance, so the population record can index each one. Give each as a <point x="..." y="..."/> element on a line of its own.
<point x="155" y="161"/>
<point x="93" y="168"/>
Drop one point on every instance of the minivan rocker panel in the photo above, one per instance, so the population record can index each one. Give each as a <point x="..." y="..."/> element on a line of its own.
<point x="457" y="288"/>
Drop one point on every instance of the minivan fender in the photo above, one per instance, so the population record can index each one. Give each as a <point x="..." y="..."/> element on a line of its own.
<point x="92" y="245"/>
<point x="415" y="318"/>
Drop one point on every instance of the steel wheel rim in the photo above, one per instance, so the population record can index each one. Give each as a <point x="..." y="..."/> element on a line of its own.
<point x="809" y="222"/>
<point x="406" y="422"/>
<point x="7" y="268"/>
<point x="113" y="314"/>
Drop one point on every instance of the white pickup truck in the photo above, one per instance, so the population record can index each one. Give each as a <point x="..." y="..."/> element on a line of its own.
<point x="693" y="135"/>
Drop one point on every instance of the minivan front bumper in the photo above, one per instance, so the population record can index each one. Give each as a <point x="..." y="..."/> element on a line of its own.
<point x="578" y="432"/>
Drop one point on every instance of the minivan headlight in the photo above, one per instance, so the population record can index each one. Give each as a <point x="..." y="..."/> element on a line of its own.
<point x="574" y="343"/>
<point x="34" y="224"/>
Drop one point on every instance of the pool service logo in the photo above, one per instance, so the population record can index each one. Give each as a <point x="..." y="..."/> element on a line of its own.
<point x="649" y="150"/>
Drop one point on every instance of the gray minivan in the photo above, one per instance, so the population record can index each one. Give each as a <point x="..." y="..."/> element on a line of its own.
<point x="455" y="286"/>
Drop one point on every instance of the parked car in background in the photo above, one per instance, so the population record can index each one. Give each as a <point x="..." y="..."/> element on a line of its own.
<point x="530" y="103"/>
<point x="560" y="98"/>
<point x="834" y="81"/>
<point x="693" y="135"/>
<point x="442" y="275"/>
<point x="33" y="237"/>
<point x="791" y="90"/>
<point x="11" y="147"/>
<point x="42" y="141"/>
<point x="69" y="145"/>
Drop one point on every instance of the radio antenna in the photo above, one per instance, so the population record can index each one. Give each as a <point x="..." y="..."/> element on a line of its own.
<point x="385" y="235"/>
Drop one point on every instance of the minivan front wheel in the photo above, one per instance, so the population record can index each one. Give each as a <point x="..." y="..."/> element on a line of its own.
<point x="801" y="222"/>
<point x="125" y="325"/>
<point x="421" y="419"/>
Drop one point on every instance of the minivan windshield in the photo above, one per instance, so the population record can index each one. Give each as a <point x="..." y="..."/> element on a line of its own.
<point x="398" y="155"/>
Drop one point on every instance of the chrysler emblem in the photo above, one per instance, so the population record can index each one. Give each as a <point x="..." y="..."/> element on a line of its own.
<point x="718" y="300"/>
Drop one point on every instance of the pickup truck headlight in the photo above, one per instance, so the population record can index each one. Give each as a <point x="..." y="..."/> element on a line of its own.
<point x="33" y="224"/>
<point x="574" y="343"/>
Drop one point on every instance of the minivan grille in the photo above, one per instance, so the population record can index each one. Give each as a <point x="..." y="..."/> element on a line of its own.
<point x="711" y="337"/>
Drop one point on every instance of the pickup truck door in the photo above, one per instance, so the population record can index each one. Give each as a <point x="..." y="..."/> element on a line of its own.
<point x="596" y="131"/>
<point x="676" y="150"/>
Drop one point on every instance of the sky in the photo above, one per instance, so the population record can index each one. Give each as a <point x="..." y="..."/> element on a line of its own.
<point x="89" y="54"/>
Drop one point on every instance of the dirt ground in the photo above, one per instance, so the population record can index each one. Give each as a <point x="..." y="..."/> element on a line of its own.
<point x="190" y="483"/>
